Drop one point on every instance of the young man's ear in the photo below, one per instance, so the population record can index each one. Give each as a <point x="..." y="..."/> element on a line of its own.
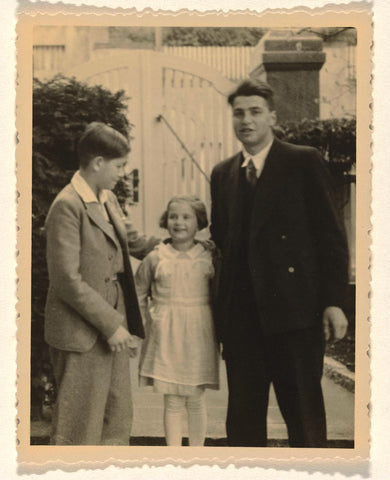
<point x="273" y="118"/>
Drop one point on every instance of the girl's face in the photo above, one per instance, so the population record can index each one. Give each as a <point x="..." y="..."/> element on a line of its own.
<point x="181" y="222"/>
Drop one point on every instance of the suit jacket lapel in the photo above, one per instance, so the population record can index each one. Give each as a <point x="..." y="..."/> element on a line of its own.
<point x="120" y="229"/>
<point x="269" y="185"/>
<point x="95" y="214"/>
<point x="235" y="203"/>
<point x="233" y="182"/>
<point x="118" y="225"/>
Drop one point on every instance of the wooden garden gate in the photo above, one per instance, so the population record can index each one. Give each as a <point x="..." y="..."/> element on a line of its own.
<point x="179" y="110"/>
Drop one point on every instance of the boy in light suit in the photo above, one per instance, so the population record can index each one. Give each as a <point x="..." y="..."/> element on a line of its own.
<point x="92" y="319"/>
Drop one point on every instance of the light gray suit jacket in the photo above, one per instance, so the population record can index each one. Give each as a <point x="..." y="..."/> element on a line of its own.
<point x="81" y="250"/>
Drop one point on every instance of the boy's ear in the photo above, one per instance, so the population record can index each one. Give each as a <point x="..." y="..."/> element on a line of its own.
<point x="96" y="163"/>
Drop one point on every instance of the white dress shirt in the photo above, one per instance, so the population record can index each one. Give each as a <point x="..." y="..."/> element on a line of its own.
<point x="258" y="159"/>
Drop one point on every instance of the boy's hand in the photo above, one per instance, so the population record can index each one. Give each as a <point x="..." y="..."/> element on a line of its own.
<point x="120" y="340"/>
<point x="133" y="352"/>
<point x="134" y="344"/>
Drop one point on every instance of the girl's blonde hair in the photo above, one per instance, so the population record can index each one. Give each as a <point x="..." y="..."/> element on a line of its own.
<point x="196" y="204"/>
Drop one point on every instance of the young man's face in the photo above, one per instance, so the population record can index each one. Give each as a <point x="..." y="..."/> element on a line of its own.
<point x="110" y="171"/>
<point x="252" y="122"/>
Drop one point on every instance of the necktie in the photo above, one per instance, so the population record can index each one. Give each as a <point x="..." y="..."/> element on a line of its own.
<point x="251" y="175"/>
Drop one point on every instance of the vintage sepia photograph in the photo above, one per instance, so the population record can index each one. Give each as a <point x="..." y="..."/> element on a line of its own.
<point x="192" y="197"/>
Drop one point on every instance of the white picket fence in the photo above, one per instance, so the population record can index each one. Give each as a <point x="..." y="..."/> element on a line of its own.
<point x="232" y="62"/>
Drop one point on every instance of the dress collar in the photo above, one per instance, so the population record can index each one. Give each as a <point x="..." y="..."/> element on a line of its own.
<point x="168" y="251"/>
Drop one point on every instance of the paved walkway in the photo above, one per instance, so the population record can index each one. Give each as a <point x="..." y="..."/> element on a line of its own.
<point x="148" y="415"/>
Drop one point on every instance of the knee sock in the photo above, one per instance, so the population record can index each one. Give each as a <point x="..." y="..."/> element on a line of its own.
<point x="173" y="407"/>
<point x="197" y="418"/>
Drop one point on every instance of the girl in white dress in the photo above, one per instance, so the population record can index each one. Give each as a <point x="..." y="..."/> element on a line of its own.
<point x="179" y="356"/>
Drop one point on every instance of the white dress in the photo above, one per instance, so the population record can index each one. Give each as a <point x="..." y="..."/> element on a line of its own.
<point x="180" y="353"/>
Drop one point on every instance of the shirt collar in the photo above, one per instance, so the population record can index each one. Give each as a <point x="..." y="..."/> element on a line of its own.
<point x="259" y="158"/>
<point x="85" y="191"/>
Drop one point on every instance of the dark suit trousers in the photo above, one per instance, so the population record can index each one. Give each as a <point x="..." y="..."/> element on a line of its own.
<point x="292" y="361"/>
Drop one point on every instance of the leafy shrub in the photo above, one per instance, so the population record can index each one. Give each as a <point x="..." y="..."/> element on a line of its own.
<point x="62" y="107"/>
<point x="336" y="140"/>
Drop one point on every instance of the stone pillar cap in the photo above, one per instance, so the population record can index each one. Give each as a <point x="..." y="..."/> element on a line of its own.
<point x="289" y="40"/>
<point x="287" y="50"/>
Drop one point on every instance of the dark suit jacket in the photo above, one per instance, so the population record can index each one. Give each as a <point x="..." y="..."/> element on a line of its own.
<point x="298" y="256"/>
<point x="80" y="255"/>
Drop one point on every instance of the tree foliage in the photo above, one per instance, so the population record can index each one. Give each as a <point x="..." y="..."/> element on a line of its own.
<point x="217" y="36"/>
<point x="62" y="107"/>
<point x="187" y="36"/>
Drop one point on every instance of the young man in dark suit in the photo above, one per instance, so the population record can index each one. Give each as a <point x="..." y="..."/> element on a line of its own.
<point x="284" y="270"/>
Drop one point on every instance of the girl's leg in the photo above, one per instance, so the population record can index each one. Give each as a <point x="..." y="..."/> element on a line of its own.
<point x="197" y="418"/>
<point x="173" y="408"/>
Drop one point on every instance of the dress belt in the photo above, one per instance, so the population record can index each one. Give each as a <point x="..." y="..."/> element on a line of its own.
<point x="180" y="301"/>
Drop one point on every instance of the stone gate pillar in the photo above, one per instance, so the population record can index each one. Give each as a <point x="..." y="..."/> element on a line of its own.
<point x="290" y="63"/>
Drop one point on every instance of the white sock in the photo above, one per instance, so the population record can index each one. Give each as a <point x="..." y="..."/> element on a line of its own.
<point x="173" y="408"/>
<point x="197" y="419"/>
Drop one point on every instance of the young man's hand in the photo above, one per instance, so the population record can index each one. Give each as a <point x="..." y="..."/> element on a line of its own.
<point x="208" y="245"/>
<point x="335" y="324"/>
<point x="120" y="340"/>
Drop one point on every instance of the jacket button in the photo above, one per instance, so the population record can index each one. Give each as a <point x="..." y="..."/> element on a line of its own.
<point x="283" y="237"/>
<point x="291" y="269"/>
<point x="110" y="257"/>
<point x="107" y="279"/>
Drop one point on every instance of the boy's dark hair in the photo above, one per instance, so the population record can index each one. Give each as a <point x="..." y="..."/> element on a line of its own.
<point x="195" y="203"/>
<point x="101" y="140"/>
<point x="250" y="87"/>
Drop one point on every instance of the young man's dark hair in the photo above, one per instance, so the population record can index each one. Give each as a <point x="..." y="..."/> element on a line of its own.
<point x="250" y="87"/>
